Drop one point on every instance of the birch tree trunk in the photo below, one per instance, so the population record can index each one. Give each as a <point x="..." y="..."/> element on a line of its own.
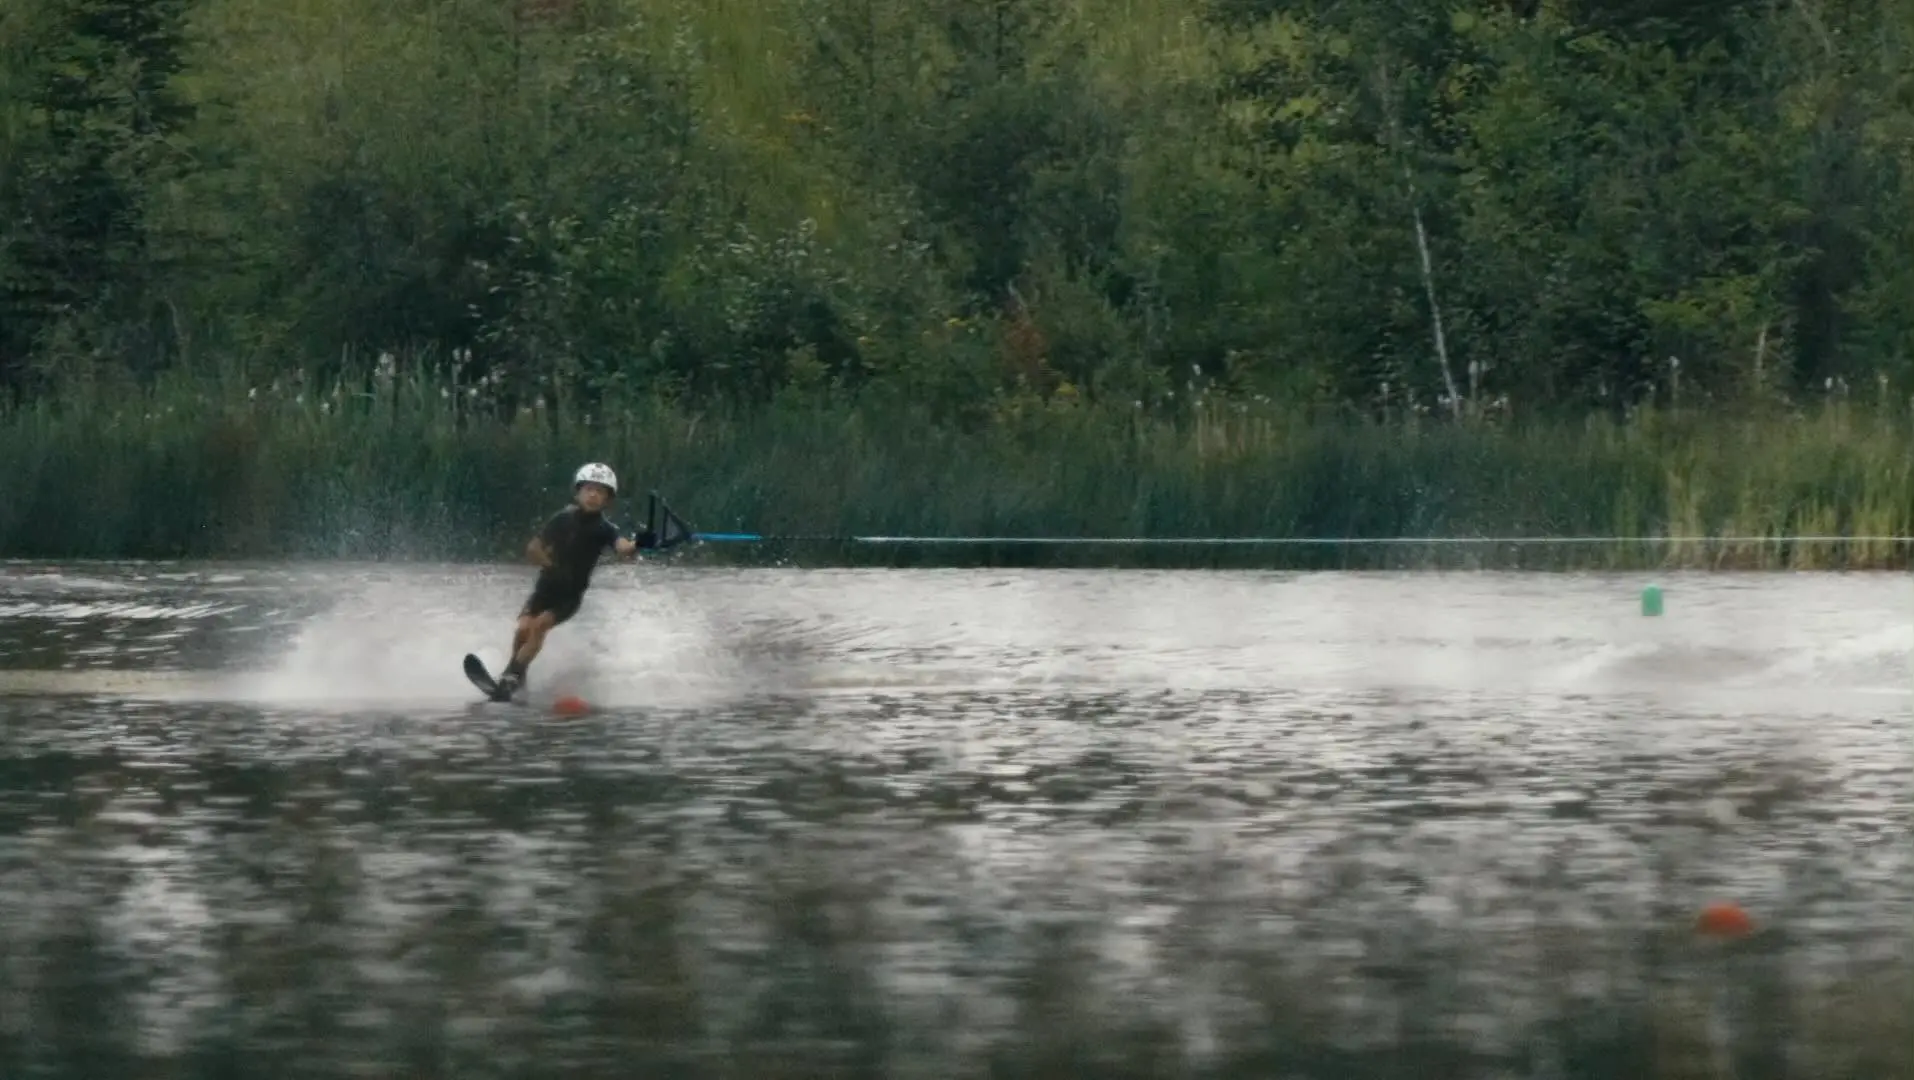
<point x="1390" y="115"/>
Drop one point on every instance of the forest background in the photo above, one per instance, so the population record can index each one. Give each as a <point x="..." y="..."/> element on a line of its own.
<point x="369" y="277"/>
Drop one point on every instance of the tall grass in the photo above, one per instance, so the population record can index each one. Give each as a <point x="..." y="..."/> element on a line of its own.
<point x="392" y="464"/>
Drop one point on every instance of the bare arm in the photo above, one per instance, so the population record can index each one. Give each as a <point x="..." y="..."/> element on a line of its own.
<point x="538" y="554"/>
<point x="539" y="550"/>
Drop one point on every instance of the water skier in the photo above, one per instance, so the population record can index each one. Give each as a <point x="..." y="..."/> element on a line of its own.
<point x="566" y="551"/>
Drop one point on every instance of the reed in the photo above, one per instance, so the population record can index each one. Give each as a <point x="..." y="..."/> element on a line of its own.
<point x="398" y="463"/>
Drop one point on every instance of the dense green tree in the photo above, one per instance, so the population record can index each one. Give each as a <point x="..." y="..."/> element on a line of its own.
<point x="1554" y="204"/>
<point x="93" y="126"/>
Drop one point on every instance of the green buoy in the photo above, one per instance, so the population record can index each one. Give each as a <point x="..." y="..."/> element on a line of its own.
<point x="1651" y="600"/>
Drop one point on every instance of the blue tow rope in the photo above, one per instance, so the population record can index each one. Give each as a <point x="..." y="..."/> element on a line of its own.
<point x="672" y="531"/>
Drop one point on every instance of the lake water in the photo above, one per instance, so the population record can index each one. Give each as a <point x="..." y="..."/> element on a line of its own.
<point x="253" y="821"/>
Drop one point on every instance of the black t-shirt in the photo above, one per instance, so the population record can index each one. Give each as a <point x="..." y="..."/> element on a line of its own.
<point x="575" y="539"/>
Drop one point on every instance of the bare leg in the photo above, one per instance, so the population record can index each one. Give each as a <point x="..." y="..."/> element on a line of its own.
<point x="519" y="633"/>
<point x="528" y="640"/>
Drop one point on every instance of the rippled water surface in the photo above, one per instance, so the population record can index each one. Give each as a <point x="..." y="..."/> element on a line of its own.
<point x="253" y="819"/>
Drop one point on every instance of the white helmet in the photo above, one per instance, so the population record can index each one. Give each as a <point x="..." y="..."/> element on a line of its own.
<point x="595" y="473"/>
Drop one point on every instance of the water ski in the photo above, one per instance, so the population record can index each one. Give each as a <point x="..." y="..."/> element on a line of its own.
<point x="481" y="678"/>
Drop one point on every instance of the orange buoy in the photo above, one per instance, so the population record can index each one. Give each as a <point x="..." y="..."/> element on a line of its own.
<point x="1724" y="919"/>
<point x="570" y="706"/>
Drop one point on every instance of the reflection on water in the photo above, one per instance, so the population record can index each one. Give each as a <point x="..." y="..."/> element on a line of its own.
<point x="951" y="824"/>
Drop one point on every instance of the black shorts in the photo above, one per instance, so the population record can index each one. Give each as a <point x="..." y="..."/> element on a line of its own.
<point x="561" y="602"/>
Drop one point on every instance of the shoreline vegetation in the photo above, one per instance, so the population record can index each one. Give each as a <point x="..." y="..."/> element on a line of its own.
<point x="1045" y="267"/>
<point x="412" y="464"/>
<point x="367" y="279"/>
